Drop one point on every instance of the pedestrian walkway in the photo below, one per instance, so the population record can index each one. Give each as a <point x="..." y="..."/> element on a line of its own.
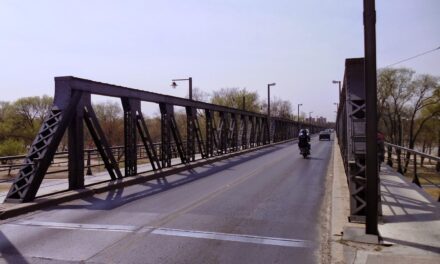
<point x="410" y="226"/>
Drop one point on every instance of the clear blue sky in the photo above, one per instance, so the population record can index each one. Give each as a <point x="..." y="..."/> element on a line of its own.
<point x="300" y="45"/>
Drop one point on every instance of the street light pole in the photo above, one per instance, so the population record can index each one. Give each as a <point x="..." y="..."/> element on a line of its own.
<point x="298" y="111"/>
<point x="174" y="85"/>
<point x="338" y="82"/>
<point x="268" y="109"/>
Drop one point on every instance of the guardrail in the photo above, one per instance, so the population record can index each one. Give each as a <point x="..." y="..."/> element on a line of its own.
<point x="416" y="163"/>
<point x="9" y="165"/>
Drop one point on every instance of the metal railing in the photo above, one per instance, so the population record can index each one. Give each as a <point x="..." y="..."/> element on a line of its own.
<point x="9" y="165"/>
<point x="411" y="163"/>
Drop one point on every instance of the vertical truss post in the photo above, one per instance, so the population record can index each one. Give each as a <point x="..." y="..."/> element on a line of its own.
<point x="216" y="134"/>
<point x="190" y="133"/>
<point x="281" y="131"/>
<point x="130" y="107"/>
<point x="258" y="131"/>
<point x="252" y="136"/>
<point x="244" y="135"/>
<point x="76" y="148"/>
<point x="223" y="128"/>
<point x="165" y="135"/>
<point x="234" y="128"/>
<point x="264" y="131"/>
<point x="199" y="137"/>
<point x="209" y="134"/>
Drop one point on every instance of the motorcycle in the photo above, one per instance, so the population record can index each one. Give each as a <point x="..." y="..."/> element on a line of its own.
<point x="305" y="151"/>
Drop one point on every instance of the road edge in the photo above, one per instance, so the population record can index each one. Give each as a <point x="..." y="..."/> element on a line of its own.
<point x="326" y="209"/>
<point x="340" y="207"/>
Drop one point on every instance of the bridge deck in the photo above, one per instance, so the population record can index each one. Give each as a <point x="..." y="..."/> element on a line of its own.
<point x="261" y="207"/>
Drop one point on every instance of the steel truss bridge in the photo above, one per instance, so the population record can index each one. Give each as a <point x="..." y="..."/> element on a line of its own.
<point x="225" y="130"/>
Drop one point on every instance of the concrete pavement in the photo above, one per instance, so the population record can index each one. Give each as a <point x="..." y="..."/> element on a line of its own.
<point x="410" y="228"/>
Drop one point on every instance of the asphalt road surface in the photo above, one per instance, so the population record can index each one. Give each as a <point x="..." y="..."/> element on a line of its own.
<point x="261" y="207"/>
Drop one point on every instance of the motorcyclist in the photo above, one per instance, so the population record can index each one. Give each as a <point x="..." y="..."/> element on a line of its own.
<point x="304" y="139"/>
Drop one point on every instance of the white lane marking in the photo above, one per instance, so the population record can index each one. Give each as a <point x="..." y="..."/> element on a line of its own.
<point x="95" y="227"/>
<point x="274" y="241"/>
<point x="262" y="240"/>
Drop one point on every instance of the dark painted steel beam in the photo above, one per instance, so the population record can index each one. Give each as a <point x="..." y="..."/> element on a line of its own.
<point x="371" y="112"/>
<point x="112" y="90"/>
<point x="76" y="148"/>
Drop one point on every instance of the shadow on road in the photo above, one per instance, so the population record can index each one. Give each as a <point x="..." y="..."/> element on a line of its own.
<point x="9" y="252"/>
<point x="115" y="198"/>
<point x="314" y="158"/>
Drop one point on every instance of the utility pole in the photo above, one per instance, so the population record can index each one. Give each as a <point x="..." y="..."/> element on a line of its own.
<point x="268" y="109"/>
<point x="372" y="186"/>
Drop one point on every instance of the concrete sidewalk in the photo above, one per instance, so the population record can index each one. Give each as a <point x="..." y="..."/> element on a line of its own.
<point x="410" y="229"/>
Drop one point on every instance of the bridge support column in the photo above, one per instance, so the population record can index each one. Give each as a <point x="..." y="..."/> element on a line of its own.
<point x="224" y="129"/>
<point x="76" y="148"/>
<point x="166" y="113"/>
<point x="244" y="135"/>
<point x="209" y="134"/>
<point x="130" y="139"/>
<point x="190" y="133"/>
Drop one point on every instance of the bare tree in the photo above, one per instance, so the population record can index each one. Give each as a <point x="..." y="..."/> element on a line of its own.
<point x="401" y="98"/>
<point x="425" y="95"/>
<point x="111" y="120"/>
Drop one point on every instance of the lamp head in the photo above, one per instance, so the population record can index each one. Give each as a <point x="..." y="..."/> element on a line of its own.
<point x="174" y="85"/>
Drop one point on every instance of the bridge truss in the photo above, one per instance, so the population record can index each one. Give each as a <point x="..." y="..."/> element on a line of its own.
<point x="350" y="127"/>
<point x="224" y="130"/>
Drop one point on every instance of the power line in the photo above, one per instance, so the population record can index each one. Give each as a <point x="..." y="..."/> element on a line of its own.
<point x="413" y="57"/>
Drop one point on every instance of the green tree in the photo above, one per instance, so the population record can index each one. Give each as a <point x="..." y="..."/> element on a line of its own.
<point x="22" y="119"/>
<point x="11" y="147"/>
<point x="233" y="97"/>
